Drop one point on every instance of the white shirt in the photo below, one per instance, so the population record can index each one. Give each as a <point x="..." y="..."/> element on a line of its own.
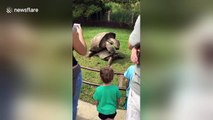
<point x="134" y="37"/>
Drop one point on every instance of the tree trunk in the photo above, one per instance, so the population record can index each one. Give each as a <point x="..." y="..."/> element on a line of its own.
<point x="108" y="16"/>
<point x="132" y="19"/>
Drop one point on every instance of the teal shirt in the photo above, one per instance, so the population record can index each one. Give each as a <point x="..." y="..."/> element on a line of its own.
<point x="129" y="75"/>
<point x="107" y="97"/>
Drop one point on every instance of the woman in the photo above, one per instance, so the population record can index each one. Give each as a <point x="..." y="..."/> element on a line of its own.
<point x="133" y="105"/>
<point x="11" y="70"/>
<point x="80" y="47"/>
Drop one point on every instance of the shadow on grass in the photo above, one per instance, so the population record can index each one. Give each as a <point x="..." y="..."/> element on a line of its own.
<point x="122" y="61"/>
<point x="125" y="59"/>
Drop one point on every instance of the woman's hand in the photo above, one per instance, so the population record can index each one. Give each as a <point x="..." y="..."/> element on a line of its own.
<point x="79" y="30"/>
<point x="79" y="44"/>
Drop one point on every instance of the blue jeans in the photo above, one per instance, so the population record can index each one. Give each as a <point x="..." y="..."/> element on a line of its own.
<point x="8" y="89"/>
<point x="5" y="105"/>
<point x="78" y="84"/>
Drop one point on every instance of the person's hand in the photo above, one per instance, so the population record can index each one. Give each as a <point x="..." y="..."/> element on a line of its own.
<point x="121" y="78"/>
<point x="79" y="30"/>
<point x="79" y="44"/>
<point x="134" y="56"/>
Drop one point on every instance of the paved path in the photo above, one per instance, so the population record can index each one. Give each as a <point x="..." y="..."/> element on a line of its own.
<point x="51" y="109"/>
<point x="87" y="111"/>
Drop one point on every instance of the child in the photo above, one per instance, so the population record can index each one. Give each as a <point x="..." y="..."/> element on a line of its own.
<point x="107" y="96"/>
<point x="128" y="75"/>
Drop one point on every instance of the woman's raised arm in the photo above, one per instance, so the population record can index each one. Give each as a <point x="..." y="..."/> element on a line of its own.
<point x="79" y="44"/>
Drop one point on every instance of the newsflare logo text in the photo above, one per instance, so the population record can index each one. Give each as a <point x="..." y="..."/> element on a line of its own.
<point x="22" y="10"/>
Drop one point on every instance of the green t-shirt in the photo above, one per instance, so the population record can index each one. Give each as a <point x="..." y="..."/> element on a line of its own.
<point x="107" y="97"/>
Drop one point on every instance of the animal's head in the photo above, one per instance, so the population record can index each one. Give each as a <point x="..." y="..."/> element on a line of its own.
<point x="115" y="43"/>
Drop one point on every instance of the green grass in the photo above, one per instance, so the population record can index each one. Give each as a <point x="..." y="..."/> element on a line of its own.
<point x="119" y="65"/>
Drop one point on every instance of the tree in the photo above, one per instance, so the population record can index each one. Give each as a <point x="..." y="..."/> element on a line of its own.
<point x="86" y="8"/>
<point x="123" y="11"/>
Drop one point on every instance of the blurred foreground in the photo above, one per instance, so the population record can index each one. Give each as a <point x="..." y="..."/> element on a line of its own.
<point x="178" y="69"/>
<point x="35" y="78"/>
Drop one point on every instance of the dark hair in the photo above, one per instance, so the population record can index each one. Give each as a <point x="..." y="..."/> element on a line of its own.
<point x="137" y="47"/>
<point x="106" y="74"/>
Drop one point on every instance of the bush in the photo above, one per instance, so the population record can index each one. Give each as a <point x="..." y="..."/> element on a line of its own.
<point x="86" y="8"/>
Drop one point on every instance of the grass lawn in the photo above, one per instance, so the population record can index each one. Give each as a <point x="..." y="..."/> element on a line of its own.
<point x="95" y="62"/>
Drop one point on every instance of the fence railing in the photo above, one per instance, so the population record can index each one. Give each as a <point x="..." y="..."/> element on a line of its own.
<point x="97" y="70"/>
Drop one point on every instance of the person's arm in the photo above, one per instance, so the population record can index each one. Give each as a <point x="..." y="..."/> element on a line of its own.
<point x="127" y="77"/>
<point x="96" y="103"/>
<point x="79" y="44"/>
<point x="118" y="95"/>
<point x="118" y="102"/>
<point x="95" y="97"/>
<point x="121" y="78"/>
<point x="127" y="83"/>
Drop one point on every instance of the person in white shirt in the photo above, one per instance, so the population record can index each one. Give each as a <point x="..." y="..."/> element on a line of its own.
<point x="133" y="105"/>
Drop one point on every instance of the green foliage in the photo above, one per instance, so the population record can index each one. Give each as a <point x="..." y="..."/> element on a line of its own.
<point x="121" y="1"/>
<point x="92" y="9"/>
<point x="123" y="16"/>
<point x="85" y="8"/>
<point x="132" y="6"/>
<point x="124" y="12"/>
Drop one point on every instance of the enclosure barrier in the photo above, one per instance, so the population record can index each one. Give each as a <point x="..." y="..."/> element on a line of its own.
<point x="96" y="70"/>
<point x="94" y="84"/>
